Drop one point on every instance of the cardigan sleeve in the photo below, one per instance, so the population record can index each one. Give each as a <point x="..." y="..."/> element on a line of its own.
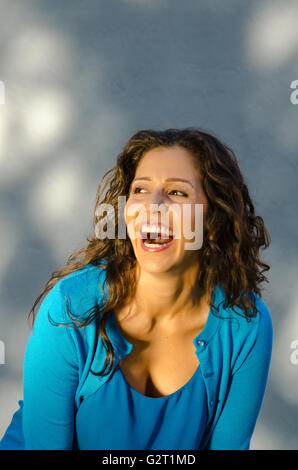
<point x="236" y="423"/>
<point x="50" y="378"/>
<point x="13" y="438"/>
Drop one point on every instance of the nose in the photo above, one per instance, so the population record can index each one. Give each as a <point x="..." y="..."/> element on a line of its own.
<point x="157" y="202"/>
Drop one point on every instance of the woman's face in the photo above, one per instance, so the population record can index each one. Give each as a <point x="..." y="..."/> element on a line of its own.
<point x="158" y="181"/>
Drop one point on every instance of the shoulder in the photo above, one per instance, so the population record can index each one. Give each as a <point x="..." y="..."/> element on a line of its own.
<point x="240" y="335"/>
<point x="235" y="318"/>
<point x="76" y="293"/>
<point x="83" y="282"/>
<point x="264" y="319"/>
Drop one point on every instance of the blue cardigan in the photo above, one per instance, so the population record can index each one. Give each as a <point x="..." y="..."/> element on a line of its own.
<point x="234" y="356"/>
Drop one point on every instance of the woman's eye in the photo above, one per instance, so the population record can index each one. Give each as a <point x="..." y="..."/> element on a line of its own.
<point x="177" y="191"/>
<point x="137" y="190"/>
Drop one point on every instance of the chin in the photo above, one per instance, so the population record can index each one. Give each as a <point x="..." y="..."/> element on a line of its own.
<point x="155" y="267"/>
<point x="159" y="261"/>
<point x="154" y="263"/>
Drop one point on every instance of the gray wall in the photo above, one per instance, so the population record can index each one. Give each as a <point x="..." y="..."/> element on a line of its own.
<point x="80" y="77"/>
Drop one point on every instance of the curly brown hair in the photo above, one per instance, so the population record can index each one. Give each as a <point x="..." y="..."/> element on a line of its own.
<point x="230" y="257"/>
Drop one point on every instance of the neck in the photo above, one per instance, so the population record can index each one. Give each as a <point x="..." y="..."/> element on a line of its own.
<point x="163" y="296"/>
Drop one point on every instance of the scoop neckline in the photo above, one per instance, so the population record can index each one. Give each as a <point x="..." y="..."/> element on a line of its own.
<point x="163" y="397"/>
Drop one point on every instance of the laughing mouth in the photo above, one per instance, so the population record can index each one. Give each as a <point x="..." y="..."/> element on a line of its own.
<point x="156" y="234"/>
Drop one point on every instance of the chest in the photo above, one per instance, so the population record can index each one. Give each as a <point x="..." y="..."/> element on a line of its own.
<point x="162" y="359"/>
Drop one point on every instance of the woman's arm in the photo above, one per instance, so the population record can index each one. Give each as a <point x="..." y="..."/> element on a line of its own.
<point x="50" y="378"/>
<point x="235" y="426"/>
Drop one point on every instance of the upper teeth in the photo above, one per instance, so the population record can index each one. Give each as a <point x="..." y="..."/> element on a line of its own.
<point x="157" y="228"/>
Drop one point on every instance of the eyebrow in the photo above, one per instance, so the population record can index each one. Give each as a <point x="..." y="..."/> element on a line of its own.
<point x="168" y="179"/>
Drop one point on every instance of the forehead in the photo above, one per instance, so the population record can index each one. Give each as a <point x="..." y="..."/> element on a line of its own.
<point x="170" y="161"/>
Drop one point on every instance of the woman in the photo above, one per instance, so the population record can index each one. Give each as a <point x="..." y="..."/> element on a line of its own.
<point x="162" y="343"/>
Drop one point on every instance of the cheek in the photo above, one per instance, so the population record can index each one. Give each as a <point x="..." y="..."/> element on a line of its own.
<point x="133" y="214"/>
<point x="129" y="218"/>
<point x="127" y="212"/>
<point x="131" y="210"/>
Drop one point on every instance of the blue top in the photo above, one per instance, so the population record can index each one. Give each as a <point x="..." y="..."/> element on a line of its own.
<point x="234" y="357"/>
<point x="143" y="422"/>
